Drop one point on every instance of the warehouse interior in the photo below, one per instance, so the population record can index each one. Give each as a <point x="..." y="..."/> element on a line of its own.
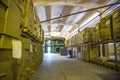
<point x="59" y="39"/>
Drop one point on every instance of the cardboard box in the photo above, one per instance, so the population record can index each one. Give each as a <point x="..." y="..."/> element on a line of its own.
<point x="116" y="23"/>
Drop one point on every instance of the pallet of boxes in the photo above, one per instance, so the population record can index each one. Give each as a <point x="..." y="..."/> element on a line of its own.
<point x="21" y="38"/>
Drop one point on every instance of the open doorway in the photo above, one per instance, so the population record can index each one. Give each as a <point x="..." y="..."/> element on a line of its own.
<point x="49" y="50"/>
<point x="57" y="50"/>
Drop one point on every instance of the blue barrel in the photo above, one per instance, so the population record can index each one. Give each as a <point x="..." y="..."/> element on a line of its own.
<point x="69" y="53"/>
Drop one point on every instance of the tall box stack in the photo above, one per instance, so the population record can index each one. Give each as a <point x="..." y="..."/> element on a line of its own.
<point x="19" y="55"/>
<point x="84" y="36"/>
<point x="2" y="17"/>
<point x="89" y="35"/>
<point x="94" y="52"/>
<point x="77" y="41"/>
<point x="97" y="32"/>
<point x="92" y="37"/>
<point x="74" y="40"/>
<point x="67" y="42"/>
<point x="29" y="25"/>
<point x="106" y="28"/>
<point x="81" y="37"/>
<point x="6" y="71"/>
<point x="10" y="22"/>
<point x="116" y="23"/>
<point x="10" y="19"/>
<point x="70" y="42"/>
<point x="86" y="53"/>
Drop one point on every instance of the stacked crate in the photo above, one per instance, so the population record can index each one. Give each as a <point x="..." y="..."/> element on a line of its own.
<point x="85" y="35"/>
<point x="116" y="23"/>
<point x="88" y="35"/>
<point x="97" y="32"/>
<point x="106" y="28"/>
<point x="86" y="53"/>
<point x="41" y="53"/>
<point x="10" y="20"/>
<point x="73" y="40"/>
<point x="94" y="52"/>
<point x="42" y="36"/>
<point x="70" y="42"/>
<point x="81" y="41"/>
<point x="31" y="25"/>
<point x="9" y="30"/>
<point x="100" y="60"/>
<point x="20" y="55"/>
<point x="77" y="39"/>
<point x="93" y="36"/>
<point x="66" y="43"/>
<point x="6" y="71"/>
<point x="22" y="69"/>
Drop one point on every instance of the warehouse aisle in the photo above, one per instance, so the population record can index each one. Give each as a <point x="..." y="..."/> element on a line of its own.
<point x="56" y="67"/>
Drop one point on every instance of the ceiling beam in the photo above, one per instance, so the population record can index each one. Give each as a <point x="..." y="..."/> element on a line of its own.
<point x="65" y="11"/>
<point x="48" y="11"/>
<point x="48" y="16"/>
<point x="87" y="15"/>
<point x="82" y="11"/>
<point x="72" y="29"/>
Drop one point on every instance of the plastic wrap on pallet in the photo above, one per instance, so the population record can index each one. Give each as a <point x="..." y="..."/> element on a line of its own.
<point x="8" y="20"/>
<point x="86" y="53"/>
<point x="97" y="32"/>
<point x="16" y="15"/>
<point x="77" y="39"/>
<point x="89" y="35"/>
<point x="106" y="28"/>
<point x="94" y="52"/>
<point x="116" y="23"/>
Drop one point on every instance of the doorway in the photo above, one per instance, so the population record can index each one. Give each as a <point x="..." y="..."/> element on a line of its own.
<point x="49" y="50"/>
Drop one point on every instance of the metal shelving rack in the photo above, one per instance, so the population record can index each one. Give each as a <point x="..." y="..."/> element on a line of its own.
<point x="115" y="41"/>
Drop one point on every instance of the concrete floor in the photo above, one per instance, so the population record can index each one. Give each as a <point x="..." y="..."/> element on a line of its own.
<point x="56" y="67"/>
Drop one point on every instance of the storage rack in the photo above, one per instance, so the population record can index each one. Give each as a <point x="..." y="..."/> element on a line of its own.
<point x="106" y="42"/>
<point x="117" y="67"/>
<point x="114" y="41"/>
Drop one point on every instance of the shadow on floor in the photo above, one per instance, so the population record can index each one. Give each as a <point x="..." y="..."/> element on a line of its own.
<point x="110" y="76"/>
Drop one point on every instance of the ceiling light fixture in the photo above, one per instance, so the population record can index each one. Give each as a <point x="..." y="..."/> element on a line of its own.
<point x="55" y="32"/>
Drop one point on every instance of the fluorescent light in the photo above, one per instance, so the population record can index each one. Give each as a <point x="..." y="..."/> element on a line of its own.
<point x="56" y="33"/>
<point x="96" y="14"/>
